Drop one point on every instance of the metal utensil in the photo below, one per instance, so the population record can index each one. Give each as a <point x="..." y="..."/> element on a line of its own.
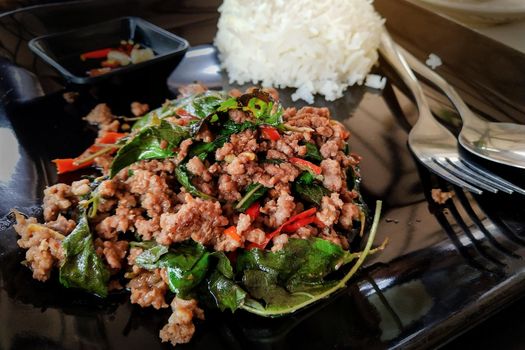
<point x="499" y="142"/>
<point x="433" y="144"/>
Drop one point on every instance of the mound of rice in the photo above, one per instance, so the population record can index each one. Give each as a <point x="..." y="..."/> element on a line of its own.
<point x="314" y="46"/>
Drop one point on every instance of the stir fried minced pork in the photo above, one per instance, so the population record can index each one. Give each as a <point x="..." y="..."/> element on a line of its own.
<point x="147" y="201"/>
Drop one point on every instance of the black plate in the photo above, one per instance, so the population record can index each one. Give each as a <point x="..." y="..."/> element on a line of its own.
<point x="446" y="267"/>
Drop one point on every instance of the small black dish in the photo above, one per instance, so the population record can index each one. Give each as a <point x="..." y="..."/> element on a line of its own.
<point x="63" y="50"/>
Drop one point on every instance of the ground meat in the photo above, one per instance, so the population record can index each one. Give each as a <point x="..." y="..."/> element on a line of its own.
<point x="104" y="128"/>
<point x="226" y="243"/>
<point x="44" y="248"/>
<point x="147" y="228"/>
<point x="284" y="172"/>
<point x="101" y="114"/>
<point x="148" y="289"/>
<point x="122" y="221"/>
<point x="80" y="188"/>
<point x="154" y="192"/>
<point x="197" y="167"/>
<point x="113" y="252"/>
<point x="183" y="150"/>
<point x="332" y="174"/>
<point x="199" y="219"/>
<point x="224" y="151"/>
<point x="238" y="164"/>
<point x="245" y="141"/>
<point x="330" y="209"/>
<point x="440" y="197"/>
<point x="104" y="162"/>
<point x="57" y="199"/>
<point x="305" y="232"/>
<point x="228" y="188"/>
<point x="62" y="225"/>
<point x="191" y="89"/>
<point x="349" y="212"/>
<point x="180" y="327"/>
<point x="279" y="242"/>
<point x="330" y="148"/>
<point x="279" y="211"/>
<point x="239" y="116"/>
<point x="138" y="109"/>
<point x="256" y="236"/>
<point x="244" y="223"/>
<point x="107" y="188"/>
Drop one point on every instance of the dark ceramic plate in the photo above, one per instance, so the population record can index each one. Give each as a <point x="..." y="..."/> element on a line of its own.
<point x="447" y="267"/>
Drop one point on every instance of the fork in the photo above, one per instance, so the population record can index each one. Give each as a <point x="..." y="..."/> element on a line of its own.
<point x="433" y="145"/>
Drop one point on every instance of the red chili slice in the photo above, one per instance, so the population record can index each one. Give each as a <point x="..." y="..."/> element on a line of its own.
<point x="270" y="133"/>
<point x="301" y="163"/>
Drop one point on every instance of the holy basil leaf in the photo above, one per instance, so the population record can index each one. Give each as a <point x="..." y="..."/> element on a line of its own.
<point x="253" y="192"/>
<point x="202" y="149"/>
<point x="147" y="145"/>
<point x="200" y="105"/>
<point x="291" y="275"/>
<point x="183" y="177"/>
<point x="311" y="193"/>
<point x="312" y="153"/>
<point x="148" y="258"/>
<point x="82" y="267"/>
<point x="144" y="244"/>
<point x="182" y="279"/>
<point x="292" y="278"/>
<point x="186" y="265"/>
<point x="272" y="161"/>
<point x="223" y="264"/>
<point x="227" y="294"/>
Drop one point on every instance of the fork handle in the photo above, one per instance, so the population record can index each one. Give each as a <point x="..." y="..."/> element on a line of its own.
<point x="466" y="115"/>
<point x="390" y="51"/>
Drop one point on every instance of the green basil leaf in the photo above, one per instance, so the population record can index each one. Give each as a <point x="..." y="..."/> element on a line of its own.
<point x="312" y="153"/>
<point x="182" y="278"/>
<point x="223" y="264"/>
<point x="147" y="145"/>
<point x="144" y="244"/>
<point x="253" y="192"/>
<point x="297" y="275"/>
<point x="148" y="258"/>
<point x="308" y="190"/>
<point x="82" y="267"/>
<point x="227" y="294"/>
<point x="183" y="177"/>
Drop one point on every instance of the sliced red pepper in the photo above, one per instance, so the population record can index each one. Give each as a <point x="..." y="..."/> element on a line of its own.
<point x="294" y="226"/>
<point x="110" y="137"/>
<point x="100" y="53"/>
<point x="301" y="163"/>
<point x="68" y="164"/>
<point x="304" y="215"/>
<point x="270" y="133"/>
<point x="232" y="233"/>
<point x="65" y="165"/>
<point x="254" y="210"/>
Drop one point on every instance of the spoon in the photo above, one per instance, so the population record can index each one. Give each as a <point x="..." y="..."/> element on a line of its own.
<point x="496" y="141"/>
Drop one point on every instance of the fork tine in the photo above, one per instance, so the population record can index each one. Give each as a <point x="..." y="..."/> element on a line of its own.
<point x="460" y="166"/>
<point x="435" y="168"/>
<point x="449" y="167"/>
<point x="490" y="175"/>
<point x="478" y="245"/>
<point x="477" y="221"/>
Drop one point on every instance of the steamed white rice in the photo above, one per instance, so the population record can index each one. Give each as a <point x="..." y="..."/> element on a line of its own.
<point x="315" y="46"/>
